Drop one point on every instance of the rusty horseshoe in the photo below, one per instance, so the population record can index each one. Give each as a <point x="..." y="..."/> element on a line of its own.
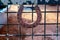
<point x="21" y="22"/>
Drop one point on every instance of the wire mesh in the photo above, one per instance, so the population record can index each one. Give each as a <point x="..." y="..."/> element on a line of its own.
<point x="45" y="24"/>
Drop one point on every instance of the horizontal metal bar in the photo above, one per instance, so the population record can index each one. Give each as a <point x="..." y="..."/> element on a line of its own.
<point x="38" y="24"/>
<point x="35" y="12"/>
<point x="30" y="35"/>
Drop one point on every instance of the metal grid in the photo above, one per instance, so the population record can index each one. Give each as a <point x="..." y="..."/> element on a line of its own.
<point x="7" y="35"/>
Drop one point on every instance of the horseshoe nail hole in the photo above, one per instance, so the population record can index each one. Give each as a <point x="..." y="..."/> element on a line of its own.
<point x="27" y="17"/>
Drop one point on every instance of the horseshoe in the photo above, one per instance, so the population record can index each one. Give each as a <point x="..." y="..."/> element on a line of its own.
<point x="21" y="22"/>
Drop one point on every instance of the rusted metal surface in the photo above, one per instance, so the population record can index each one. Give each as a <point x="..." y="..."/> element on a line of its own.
<point x="20" y="20"/>
<point x="13" y="30"/>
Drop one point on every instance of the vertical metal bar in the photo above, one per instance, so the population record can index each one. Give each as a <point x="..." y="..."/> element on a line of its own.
<point x="32" y="21"/>
<point x="19" y="29"/>
<point x="57" y="19"/>
<point x="7" y="24"/>
<point x="45" y="22"/>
